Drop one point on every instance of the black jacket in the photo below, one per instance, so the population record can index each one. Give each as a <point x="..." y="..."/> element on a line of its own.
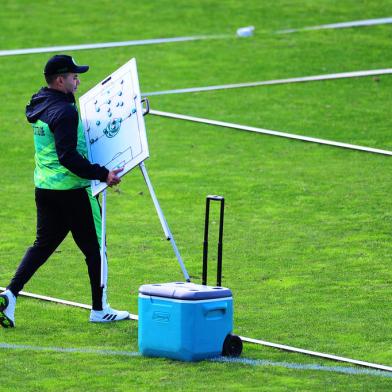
<point x="59" y="111"/>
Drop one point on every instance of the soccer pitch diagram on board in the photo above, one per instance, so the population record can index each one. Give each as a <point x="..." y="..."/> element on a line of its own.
<point x="112" y="117"/>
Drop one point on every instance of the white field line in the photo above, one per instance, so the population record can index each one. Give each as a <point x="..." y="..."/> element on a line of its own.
<point x="69" y="350"/>
<point x="13" y="52"/>
<point x="242" y="361"/>
<point x="342" y="25"/>
<point x="342" y="75"/>
<point x="245" y="339"/>
<point x="302" y="366"/>
<point x="270" y="132"/>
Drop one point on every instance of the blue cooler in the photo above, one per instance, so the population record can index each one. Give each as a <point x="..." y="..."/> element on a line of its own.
<point x="184" y="321"/>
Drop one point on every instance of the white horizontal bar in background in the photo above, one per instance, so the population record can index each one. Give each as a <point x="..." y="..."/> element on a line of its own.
<point x="342" y="25"/>
<point x="13" y="52"/>
<point x="342" y="75"/>
<point x="243" y="338"/>
<point x="269" y="132"/>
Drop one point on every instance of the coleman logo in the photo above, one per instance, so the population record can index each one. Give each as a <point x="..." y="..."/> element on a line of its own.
<point x="161" y="317"/>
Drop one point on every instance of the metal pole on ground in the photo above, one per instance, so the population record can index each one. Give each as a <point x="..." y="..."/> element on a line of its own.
<point x="316" y="354"/>
<point x="60" y="301"/>
<point x="314" y="78"/>
<point x="270" y="132"/>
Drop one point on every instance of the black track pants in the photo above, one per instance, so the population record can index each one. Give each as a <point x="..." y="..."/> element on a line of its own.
<point x="58" y="213"/>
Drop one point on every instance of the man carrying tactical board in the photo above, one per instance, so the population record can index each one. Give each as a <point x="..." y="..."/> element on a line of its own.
<point x="62" y="188"/>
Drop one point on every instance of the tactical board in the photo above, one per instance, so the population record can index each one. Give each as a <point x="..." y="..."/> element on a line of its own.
<point x="113" y="123"/>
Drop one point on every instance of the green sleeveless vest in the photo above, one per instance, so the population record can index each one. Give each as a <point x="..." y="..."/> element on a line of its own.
<point x="49" y="173"/>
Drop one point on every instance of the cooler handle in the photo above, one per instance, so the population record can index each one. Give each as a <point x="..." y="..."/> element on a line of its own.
<point x="214" y="311"/>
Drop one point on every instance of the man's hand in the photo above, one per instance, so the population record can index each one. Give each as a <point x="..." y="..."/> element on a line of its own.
<point x="112" y="178"/>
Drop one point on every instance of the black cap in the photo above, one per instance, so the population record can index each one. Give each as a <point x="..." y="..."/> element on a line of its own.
<point x="62" y="63"/>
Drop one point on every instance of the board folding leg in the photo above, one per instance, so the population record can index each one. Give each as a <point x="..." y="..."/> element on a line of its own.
<point x="103" y="242"/>
<point x="163" y="221"/>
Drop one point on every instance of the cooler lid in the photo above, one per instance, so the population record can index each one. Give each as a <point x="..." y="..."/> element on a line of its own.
<point x="184" y="290"/>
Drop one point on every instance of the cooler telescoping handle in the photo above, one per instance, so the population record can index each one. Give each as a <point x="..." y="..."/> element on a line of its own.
<point x="220" y="240"/>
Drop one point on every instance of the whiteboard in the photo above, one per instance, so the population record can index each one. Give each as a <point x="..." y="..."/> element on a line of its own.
<point x="113" y="123"/>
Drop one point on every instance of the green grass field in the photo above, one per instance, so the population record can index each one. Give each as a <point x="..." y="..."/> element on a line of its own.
<point x="307" y="250"/>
